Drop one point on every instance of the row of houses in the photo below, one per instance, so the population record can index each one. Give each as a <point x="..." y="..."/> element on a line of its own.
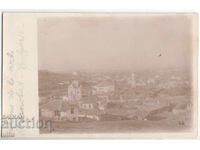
<point x="76" y="91"/>
<point x="82" y="102"/>
<point x="73" y="111"/>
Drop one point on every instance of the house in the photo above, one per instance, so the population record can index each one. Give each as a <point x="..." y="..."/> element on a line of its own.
<point x="88" y="103"/>
<point x="90" y="107"/>
<point x="103" y="87"/>
<point x="69" y="112"/>
<point x="62" y="110"/>
<point x="101" y="105"/>
<point x="51" y="110"/>
<point x="59" y="110"/>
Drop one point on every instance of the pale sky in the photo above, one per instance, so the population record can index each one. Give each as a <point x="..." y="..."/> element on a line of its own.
<point x="110" y="42"/>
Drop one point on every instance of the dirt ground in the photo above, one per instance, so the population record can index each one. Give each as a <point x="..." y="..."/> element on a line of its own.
<point x="123" y="126"/>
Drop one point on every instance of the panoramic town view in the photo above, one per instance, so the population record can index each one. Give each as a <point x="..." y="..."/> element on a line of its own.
<point x="116" y="101"/>
<point x="115" y="73"/>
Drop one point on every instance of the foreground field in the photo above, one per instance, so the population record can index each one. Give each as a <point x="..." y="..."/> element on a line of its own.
<point x="118" y="126"/>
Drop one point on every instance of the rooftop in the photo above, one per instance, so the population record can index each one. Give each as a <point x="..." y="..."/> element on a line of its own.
<point x="105" y="83"/>
<point x="57" y="105"/>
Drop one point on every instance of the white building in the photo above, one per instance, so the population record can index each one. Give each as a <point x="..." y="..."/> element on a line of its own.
<point x="103" y="87"/>
<point x="74" y="91"/>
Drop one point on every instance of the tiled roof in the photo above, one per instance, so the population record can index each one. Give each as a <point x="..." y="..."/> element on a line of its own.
<point x="58" y="105"/>
<point x="52" y="105"/>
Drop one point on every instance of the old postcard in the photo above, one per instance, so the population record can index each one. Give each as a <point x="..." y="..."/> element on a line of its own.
<point x="99" y="75"/>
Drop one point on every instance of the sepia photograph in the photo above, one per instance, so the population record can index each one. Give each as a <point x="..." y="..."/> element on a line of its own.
<point x="99" y="75"/>
<point x="117" y="73"/>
